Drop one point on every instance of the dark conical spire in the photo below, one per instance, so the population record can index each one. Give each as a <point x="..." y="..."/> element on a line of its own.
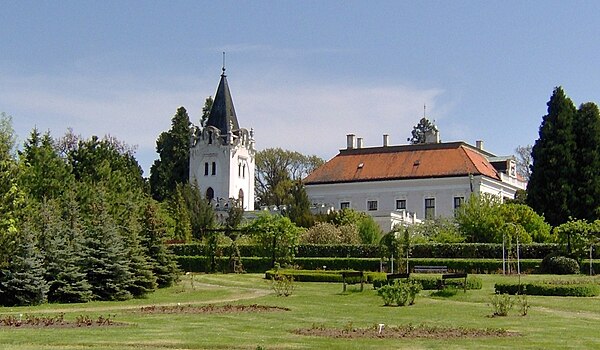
<point x="222" y="114"/>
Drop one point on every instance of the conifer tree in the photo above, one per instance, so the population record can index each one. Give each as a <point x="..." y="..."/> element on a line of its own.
<point x="153" y="231"/>
<point x="45" y="174"/>
<point x="586" y="128"/>
<point x="106" y="263"/>
<point x="173" y="148"/>
<point x="181" y="214"/>
<point x="23" y="281"/>
<point x="550" y="191"/>
<point x="143" y="280"/>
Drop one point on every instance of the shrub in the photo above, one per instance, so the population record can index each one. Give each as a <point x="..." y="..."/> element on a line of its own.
<point x="501" y="304"/>
<point x="559" y="265"/>
<point x="399" y="293"/>
<point x="282" y="285"/>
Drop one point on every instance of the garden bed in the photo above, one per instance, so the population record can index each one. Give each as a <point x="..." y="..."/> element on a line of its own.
<point x="209" y="309"/>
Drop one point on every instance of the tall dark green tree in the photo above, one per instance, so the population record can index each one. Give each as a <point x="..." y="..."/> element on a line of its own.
<point x="420" y="131"/>
<point x="173" y="148"/>
<point x="206" y="110"/>
<point x="200" y="211"/>
<point x="550" y="191"/>
<point x="587" y="182"/>
<point x="299" y="206"/>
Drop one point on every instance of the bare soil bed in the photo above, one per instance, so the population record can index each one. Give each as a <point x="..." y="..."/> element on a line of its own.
<point x="58" y="321"/>
<point x="408" y="331"/>
<point x="209" y="309"/>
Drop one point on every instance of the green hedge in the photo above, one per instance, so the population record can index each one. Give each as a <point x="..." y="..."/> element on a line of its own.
<point x="430" y="282"/>
<point x="547" y="289"/>
<point x="201" y="264"/>
<point x="425" y="250"/>
<point x="322" y="276"/>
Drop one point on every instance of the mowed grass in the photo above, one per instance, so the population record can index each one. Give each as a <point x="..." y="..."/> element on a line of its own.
<point x="552" y="322"/>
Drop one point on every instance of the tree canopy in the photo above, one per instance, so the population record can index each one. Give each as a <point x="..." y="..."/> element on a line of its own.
<point x="420" y="131"/>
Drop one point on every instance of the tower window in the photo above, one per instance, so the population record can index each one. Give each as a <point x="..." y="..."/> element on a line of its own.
<point x="210" y="194"/>
<point x="214" y="168"/>
<point x="205" y="168"/>
<point x="244" y="171"/>
<point x="239" y="170"/>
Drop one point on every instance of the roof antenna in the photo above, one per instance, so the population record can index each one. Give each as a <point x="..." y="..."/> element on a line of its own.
<point x="223" y="63"/>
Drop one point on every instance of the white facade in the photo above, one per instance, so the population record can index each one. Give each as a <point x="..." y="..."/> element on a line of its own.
<point x="384" y="200"/>
<point x="224" y="170"/>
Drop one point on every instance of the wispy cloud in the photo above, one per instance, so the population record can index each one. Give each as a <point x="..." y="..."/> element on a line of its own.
<point x="310" y="117"/>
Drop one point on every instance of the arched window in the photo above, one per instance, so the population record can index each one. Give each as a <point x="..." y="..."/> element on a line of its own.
<point x="210" y="194"/>
<point x="205" y="168"/>
<point x="214" y="168"/>
<point x="244" y="171"/>
<point x="241" y="197"/>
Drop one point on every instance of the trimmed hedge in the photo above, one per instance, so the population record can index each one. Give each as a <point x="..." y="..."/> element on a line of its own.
<point x="548" y="289"/>
<point x="201" y="264"/>
<point x="322" y="275"/>
<point x="425" y="250"/>
<point x="430" y="282"/>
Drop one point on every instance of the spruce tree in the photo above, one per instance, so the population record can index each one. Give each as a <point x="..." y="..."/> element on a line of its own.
<point x="23" y="281"/>
<point x="152" y="236"/>
<point x="587" y="182"/>
<point x="143" y="280"/>
<point x="550" y="191"/>
<point x="106" y="263"/>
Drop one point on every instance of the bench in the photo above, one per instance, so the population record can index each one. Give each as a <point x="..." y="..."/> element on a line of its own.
<point x="397" y="276"/>
<point x="442" y="282"/>
<point x="353" y="274"/>
<point x="430" y="269"/>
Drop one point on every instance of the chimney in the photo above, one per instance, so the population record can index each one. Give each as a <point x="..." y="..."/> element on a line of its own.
<point x="479" y="144"/>
<point x="359" y="142"/>
<point x="386" y="140"/>
<point x="350" y="141"/>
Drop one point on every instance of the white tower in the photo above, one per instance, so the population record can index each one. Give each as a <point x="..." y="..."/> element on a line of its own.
<point x="222" y="154"/>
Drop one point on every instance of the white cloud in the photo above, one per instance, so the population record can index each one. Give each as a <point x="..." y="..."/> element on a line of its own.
<point x="309" y="117"/>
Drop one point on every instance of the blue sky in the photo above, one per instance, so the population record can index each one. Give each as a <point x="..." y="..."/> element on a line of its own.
<point x="303" y="74"/>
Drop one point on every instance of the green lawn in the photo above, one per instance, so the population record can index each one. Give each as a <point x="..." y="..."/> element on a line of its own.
<point x="552" y="323"/>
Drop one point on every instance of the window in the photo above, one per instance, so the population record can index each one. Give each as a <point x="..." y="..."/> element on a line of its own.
<point x="458" y="201"/>
<point x="400" y="204"/>
<point x="205" y="168"/>
<point x="239" y="170"/>
<point x="244" y="171"/>
<point x="241" y="197"/>
<point x="429" y="208"/>
<point x="214" y="168"/>
<point x="371" y="205"/>
<point x="344" y="205"/>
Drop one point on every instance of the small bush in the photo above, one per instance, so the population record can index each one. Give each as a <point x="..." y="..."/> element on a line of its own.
<point x="501" y="304"/>
<point x="282" y="285"/>
<point x="399" y="293"/>
<point x="559" y="265"/>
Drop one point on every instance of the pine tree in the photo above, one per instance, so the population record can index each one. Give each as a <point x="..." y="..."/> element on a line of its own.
<point x="587" y="182"/>
<point x="173" y="148"/>
<point x="23" y="281"/>
<point x="550" y="191"/>
<point x="181" y="214"/>
<point x="152" y="236"/>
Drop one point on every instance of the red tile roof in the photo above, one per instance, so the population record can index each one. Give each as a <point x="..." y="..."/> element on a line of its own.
<point x="404" y="162"/>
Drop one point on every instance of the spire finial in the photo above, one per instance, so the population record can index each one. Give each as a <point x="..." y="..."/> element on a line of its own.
<point x="223" y="63"/>
<point x="424" y="110"/>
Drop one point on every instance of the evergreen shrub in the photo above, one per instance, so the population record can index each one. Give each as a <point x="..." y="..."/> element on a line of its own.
<point x="559" y="265"/>
<point x="550" y="289"/>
